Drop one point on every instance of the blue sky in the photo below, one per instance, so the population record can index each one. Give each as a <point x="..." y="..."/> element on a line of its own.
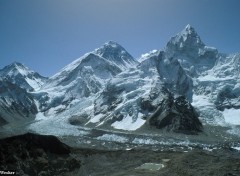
<point x="46" y="35"/>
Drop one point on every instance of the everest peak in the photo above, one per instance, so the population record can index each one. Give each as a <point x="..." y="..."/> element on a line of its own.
<point x="114" y="52"/>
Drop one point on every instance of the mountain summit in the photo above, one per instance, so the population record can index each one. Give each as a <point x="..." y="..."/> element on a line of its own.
<point x="87" y="75"/>
<point x="188" y="48"/>
<point x="185" y="40"/>
<point x="22" y="76"/>
<point x="115" y="53"/>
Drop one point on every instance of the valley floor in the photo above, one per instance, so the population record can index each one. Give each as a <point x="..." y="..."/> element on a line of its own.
<point x="191" y="163"/>
<point x="32" y="155"/>
<point x="143" y="152"/>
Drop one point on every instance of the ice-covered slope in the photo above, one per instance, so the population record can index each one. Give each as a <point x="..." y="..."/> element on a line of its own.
<point x="22" y="76"/>
<point x="85" y="80"/>
<point x="133" y="95"/>
<point x="85" y="76"/>
<point x="218" y="89"/>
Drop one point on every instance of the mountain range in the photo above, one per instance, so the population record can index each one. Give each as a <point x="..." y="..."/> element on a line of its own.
<point x="180" y="87"/>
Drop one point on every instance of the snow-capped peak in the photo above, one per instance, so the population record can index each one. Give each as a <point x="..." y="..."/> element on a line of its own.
<point x="194" y="56"/>
<point x="189" y="32"/>
<point x="22" y="76"/>
<point x="109" y="48"/>
<point x="15" y="68"/>
<point x="190" y="29"/>
<point x="115" y="53"/>
<point x="17" y="64"/>
<point x="187" y="38"/>
<point x="112" y="43"/>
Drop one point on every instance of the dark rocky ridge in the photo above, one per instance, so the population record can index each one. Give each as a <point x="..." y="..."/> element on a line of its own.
<point x="177" y="115"/>
<point x="34" y="154"/>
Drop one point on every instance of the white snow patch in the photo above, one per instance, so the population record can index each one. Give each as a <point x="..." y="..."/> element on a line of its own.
<point x="35" y="84"/>
<point x="147" y="55"/>
<point x="113" y="138"/>
<point x="96" y="118"/>
<point x="201" y="101"/>
<point x="151" y="166"/>
<point x="210" y="77"/>
<point x="40" y="116"/>
<point x="145" y="141"/>
<point x="23" y="71"/>
<point x="236" y="148"/>
<point x="232" y="116"/>
<point x="128" y="124"/>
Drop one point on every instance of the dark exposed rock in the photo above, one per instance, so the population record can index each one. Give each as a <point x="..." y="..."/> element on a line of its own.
<point x="34" y="154"/>
<point x="15" y="102"/>
<point x="78" y="120"/>
<point x="176" y="115"/>
<point x="2" y="121"/>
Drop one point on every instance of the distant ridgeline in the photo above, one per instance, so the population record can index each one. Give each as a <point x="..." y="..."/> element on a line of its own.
<point x="174" y="89"/>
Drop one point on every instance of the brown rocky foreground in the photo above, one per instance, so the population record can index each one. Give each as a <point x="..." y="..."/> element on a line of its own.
<point x="32" y="154"/>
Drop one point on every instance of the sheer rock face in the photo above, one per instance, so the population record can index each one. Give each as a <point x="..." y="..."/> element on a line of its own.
<point x="174" y="76"/>
<point x="15" y="103"/>
<point x="176" y="115"/>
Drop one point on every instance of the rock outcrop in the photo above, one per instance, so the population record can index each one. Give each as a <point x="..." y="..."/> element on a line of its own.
<point x="177" y="115"/>
<point x="34" y="154"/>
